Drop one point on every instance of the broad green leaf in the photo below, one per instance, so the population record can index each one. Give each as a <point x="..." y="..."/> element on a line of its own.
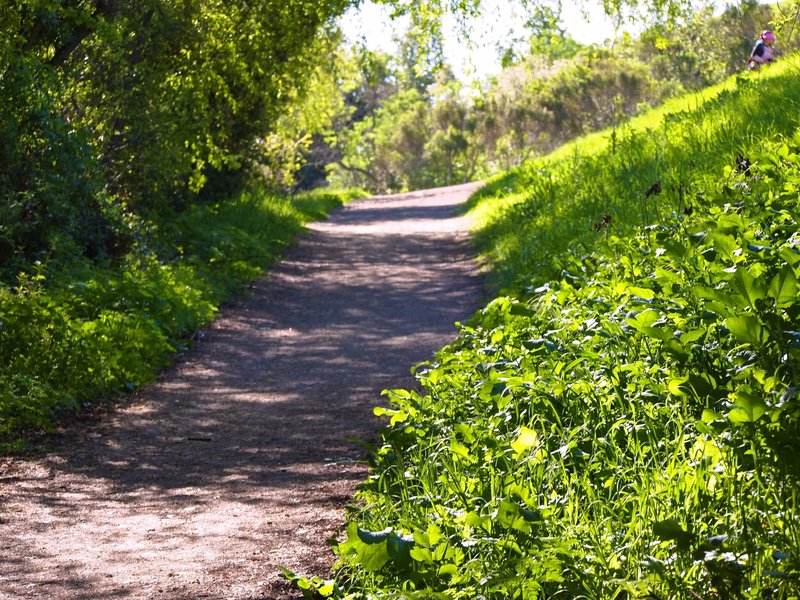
<point x="747" y="328"/>
<point x="730" y="223"/>
<point x="710" y="416"/>
<point x="473" y="519"/>
<point x="521" y="310"/>
<point x="783" y="288"/>
<point x="374" y="537"/>
<point x="365" y="548"/>
<point x="526" y="440"/>
<point x="647" y="323"/>
<point x="397" y="416"/>
<point x="724" y="244"/>
<point x="641" y="292"/>
<point x="677" y="349"/>
<point x="747" y="408"/>
<point x="790" y="255"/>
<point x="643" y="319"/>
<point x="693" y="335"/>
<point x="748" y="286"/>
<point x="434" y="534"/>
<point x="678" y="387"/>
<point x="459" y="449"/>
<point x="662" y="333"/>
<point x="399" y="549"/>
<point x="421" y="554"/>
<point x="707" y="293"/>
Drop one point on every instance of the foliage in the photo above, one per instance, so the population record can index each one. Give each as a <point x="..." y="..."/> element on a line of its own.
<point x="627" y="425"/>
<point x="554" y="92"/>
<point x="410" y="141"/>
<point x="109" y="109"/>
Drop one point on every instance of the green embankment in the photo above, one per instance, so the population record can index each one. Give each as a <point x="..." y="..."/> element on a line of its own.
<point x="73" y="333"/>
<point x="625" y="423"/>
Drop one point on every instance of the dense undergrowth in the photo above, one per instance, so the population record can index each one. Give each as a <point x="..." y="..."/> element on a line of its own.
<point x="625" y="423"/>
<point x="73" y="331"/>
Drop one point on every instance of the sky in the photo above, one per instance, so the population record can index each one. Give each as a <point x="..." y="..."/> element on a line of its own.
<point x="501" y="20"/>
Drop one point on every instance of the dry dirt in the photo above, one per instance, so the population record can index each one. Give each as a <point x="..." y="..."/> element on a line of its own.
<point x="237" y="460"/>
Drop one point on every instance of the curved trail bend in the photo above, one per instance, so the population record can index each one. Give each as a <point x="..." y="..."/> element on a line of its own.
<point x="236" y="460"/>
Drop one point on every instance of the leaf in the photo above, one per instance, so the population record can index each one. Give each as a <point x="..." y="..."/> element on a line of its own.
<point x="519" y="309"/>
<point x="747" y="285"/>
<point x="397" y="416"/>
<point x="679" y="387"/>
<point x="724" y="244"/>
<point x="790" y="255"/>
<point x="709" y="416"/>
<point x="783" y="288"/>
<point x="747" y="328"/>
<point x="526" y="440"/>
<point x="399" y="550"/>
<point x="371" y="554"/>
<point x="748" y="408"/>
<point x="693" y="335"/>
<point x="643" y="319"/>
<point x="374" y="537"/>
<point x="459" y="449"/>
<point x="671" y="530"/>
<point x="659" y="333"/>
<point x="641" y="292"/>
<point x="730" y="223"/>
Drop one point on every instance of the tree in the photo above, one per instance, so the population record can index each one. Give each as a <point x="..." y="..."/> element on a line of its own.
<point x="116" y="105"/>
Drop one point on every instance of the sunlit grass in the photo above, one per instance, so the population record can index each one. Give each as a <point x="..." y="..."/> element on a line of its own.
<point x="625" y="424"/>
<point x="527" y="218"/>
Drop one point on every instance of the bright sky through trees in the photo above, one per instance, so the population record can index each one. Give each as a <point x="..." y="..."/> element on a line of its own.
<point x="500" y="24"/>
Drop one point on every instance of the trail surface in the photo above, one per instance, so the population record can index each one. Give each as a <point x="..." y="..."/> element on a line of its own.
<point x="237" y="461"/>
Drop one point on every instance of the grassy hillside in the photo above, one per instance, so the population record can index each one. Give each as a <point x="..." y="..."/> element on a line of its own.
<point x="625" y="423"/>
<point x="638" y="175"/>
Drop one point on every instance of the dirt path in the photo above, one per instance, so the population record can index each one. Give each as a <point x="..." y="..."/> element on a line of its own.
<point x="236" y="460"/>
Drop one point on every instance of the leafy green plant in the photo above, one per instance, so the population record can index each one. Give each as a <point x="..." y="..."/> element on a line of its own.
<point x="626" y="425"/>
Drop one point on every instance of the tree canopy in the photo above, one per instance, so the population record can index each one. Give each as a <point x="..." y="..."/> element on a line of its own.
<point x="110" y="109"/>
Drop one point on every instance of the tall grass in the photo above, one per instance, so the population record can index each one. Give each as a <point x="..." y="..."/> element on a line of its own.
<point x="627" y="423"/>
<point x="530" y="216"/>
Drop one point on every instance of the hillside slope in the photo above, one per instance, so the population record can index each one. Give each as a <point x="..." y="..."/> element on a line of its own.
<point x="626" y="422"/>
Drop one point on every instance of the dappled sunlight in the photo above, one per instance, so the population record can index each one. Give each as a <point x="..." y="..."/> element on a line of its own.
<point x="248" y="442"/>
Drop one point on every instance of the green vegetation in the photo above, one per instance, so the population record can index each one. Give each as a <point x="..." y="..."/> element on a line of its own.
<point x="405" y="125"/>
<point x="132" y="137"/>
<point x="623" y="423"/>
<point x="83" y="331"/>
<point x="626" y="422"/>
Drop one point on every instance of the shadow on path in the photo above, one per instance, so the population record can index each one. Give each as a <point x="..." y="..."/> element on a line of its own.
<point x="238" y="461"/>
